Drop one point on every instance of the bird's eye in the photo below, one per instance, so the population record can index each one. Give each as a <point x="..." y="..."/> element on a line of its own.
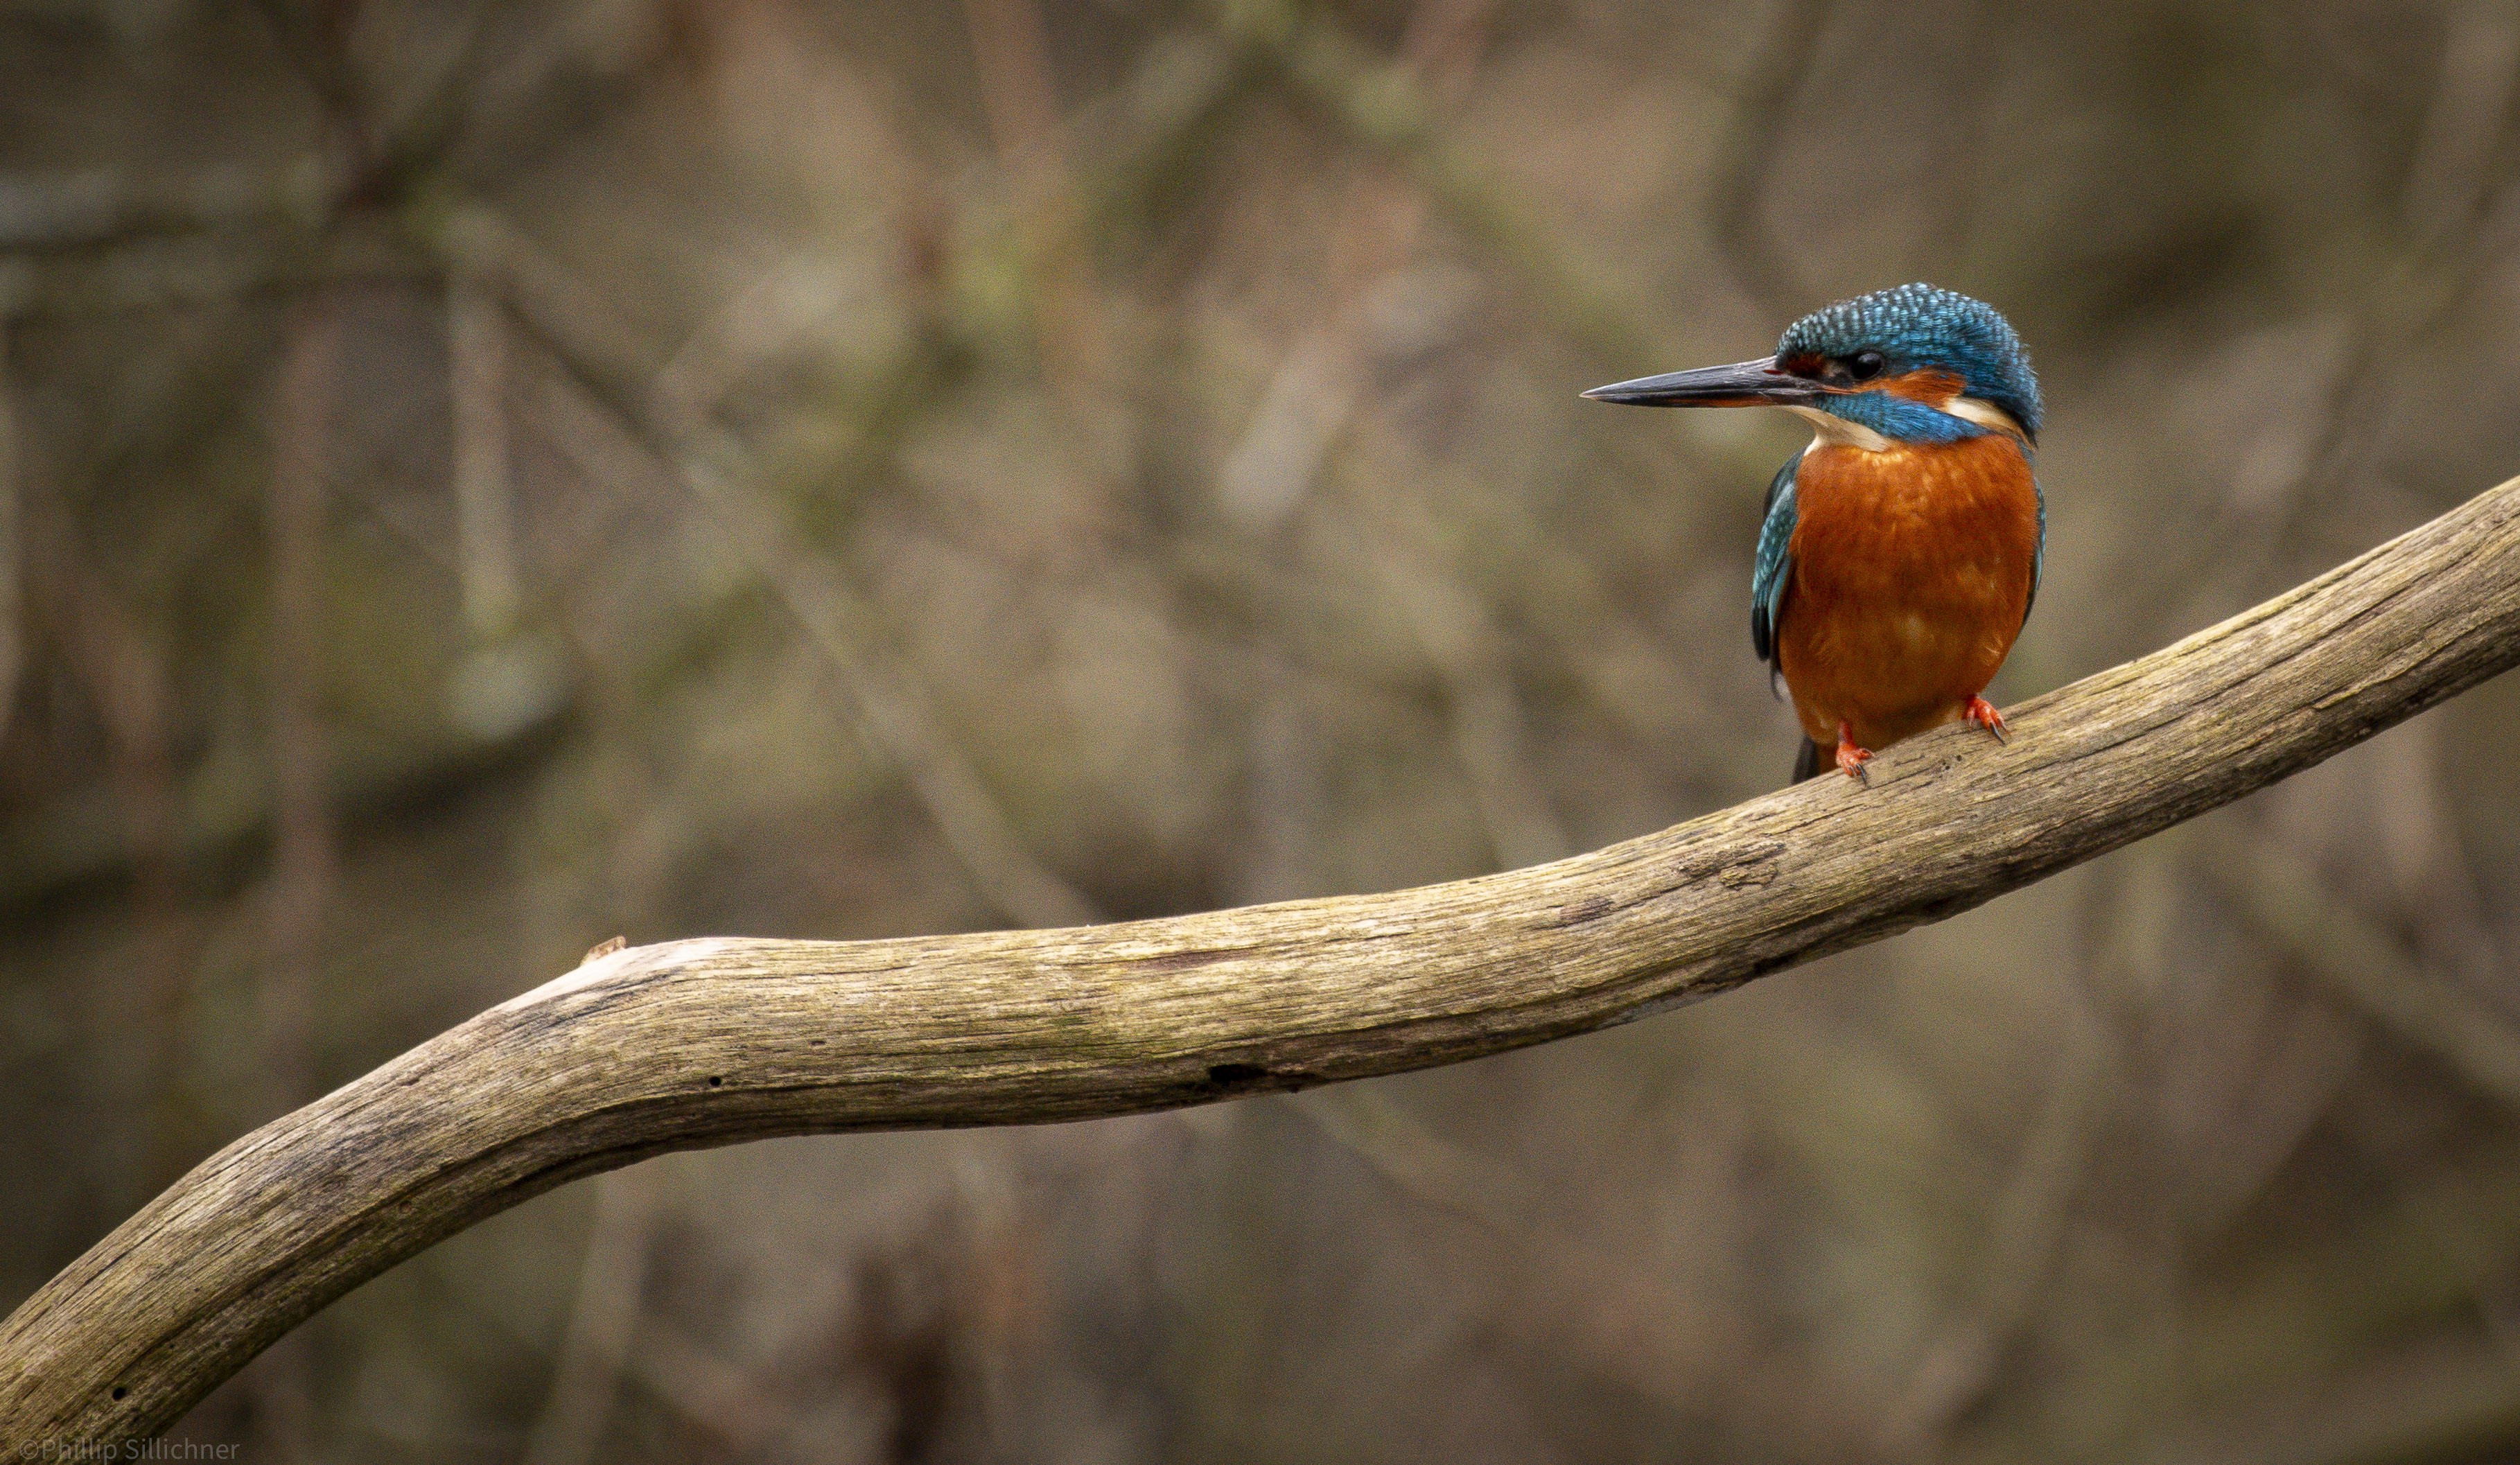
<point x="1864" y="366"/>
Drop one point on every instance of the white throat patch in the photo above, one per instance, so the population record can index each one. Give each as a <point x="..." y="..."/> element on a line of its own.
<point x="1837" y="431"/>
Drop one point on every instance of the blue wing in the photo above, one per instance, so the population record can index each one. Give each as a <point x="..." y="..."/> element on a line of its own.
<point x="1775" y="567"/>
<point x="2039" y="559"/>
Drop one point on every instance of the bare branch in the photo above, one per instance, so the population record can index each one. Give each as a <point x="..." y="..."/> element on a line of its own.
<point x="718" y="1040"/>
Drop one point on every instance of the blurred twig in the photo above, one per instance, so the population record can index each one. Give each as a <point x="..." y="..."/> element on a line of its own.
<point x="193" y="271"/>
<point x="1746" y="156"/>
<point x="2284" y="898"/>
<point x="1483" y="709"/>
<point x="1010" y="50"/>
<point x="1571" y="1294"/>
<point x="303" y="399"/>
<point x="121" y="663"/>
<point x="2429" y="871"/>
<point x="895" y="709"/>
<point x="2459" y="218"/>
<point x="2032" y="1211"/>
<point x="603" y="1320"/>
<point x="13" y="595"/>
<point x="2429" y="1247"/>
<point x="892" y="712"/>
<point x="216" y="819"/>
<point x="484" y="507"/>
<point x="2445" y="1398"/>
<point x="1977" y="65"/>
<point x="302" y="854"/>
<point x="47" y="214"/>
<point x="720" y="1397"/>
<point x="1379" y="311"/>
<point x="1385" y="105"/>
<point x="1422" y="1164"/>
<point x="316" y="36"/>
<point x="713" y="466"/>
<point x="2453" y="161"/>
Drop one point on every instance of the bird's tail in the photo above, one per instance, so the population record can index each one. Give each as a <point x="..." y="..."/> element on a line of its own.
<point x="1810" y="761"/>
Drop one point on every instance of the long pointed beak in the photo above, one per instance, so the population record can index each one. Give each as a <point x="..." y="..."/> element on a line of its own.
<point x="1743" y="383"/>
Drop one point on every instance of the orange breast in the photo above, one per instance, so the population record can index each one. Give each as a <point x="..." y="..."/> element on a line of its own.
<point x="1911" y="573"/>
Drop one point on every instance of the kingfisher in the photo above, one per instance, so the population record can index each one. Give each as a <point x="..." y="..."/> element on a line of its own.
<point x="1900" y="549"/>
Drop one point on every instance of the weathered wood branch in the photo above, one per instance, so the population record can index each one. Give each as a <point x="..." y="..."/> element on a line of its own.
<point x="712" y="1042"/>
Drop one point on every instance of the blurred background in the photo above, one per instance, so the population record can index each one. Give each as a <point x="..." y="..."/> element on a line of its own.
<point x="477" y="478"/>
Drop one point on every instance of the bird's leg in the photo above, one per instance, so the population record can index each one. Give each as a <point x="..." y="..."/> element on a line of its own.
<point x="1982" y="712"/>
<point x="1850" y="758"/>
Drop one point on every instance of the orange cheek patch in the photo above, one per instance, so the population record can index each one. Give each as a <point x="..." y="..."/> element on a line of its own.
<point x="1930" y="386"/>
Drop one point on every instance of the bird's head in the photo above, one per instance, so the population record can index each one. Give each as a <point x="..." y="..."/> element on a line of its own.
<point x="1911" y="364"/>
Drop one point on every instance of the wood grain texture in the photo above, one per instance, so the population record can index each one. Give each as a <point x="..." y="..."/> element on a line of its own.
<point x="717" y="1040"/>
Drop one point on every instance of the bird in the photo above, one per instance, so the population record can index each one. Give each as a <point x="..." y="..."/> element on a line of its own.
<point x="1901" y="551"/>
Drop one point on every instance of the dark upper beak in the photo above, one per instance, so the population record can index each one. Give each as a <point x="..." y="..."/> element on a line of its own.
<point x="1744" y="383"/>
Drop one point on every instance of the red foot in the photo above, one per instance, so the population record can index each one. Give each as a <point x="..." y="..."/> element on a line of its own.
<point x="1982" y="712"/>
<point x="1850" y="758"/>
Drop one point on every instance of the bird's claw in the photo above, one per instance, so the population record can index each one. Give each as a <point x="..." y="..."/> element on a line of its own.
<point x="1851" y="758"/>
<point x="1982" y="712"/>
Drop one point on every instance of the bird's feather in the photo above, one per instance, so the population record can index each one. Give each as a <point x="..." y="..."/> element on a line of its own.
<point x="2039" y="559"/>
<point x="1774" y="570"/>
<point x="1911" y="574"/>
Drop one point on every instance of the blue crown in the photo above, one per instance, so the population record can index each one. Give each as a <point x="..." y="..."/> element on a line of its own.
<point x="1915" y="326"/>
